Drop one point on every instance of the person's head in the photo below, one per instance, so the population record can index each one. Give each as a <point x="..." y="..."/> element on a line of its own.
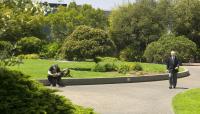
<point x="173" y="53"/>
<point x="55" y="66"/>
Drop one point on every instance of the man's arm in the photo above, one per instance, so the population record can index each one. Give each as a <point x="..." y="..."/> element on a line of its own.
<point x="50" y="71"/>
<point x="167" y="64"/>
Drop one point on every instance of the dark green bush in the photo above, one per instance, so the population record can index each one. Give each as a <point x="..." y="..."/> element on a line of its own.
<point x="104" y="67"/>
<point x="19" y="95"/>
<point x="5" y="45"/>
<point x="87" y="43"/>
<point x="5" y="49"/>
<point x="137" y="67"/>
<point x="50" y="50"/>
<point x="29" y="45"/>
<point x="130" y="54"/>
<point x="159" y="51"/>
<point x="105" y="59"/>
<point x="123" y="68"/>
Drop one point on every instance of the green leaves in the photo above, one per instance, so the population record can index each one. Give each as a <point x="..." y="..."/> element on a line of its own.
<point x="86" y="43"/>
<point x="159" y="51"/>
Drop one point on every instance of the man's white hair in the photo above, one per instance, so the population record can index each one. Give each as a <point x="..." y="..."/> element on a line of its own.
<point x="173" y="52"/>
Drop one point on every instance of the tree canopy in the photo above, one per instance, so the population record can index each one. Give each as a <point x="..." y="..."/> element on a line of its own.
<point x="87" y="43"/>
<point x="159" y="51"/>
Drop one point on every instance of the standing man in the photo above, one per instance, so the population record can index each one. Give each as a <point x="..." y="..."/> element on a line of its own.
<point x="172" y="67"/>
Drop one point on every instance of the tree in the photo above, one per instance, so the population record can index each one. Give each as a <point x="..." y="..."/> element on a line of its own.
<point x="135" y="24"/>
<point x="66" y="19"/>
<point x="20" y="18"/>
<point x="86" y="43"/>
<point x="159" y="51"/>
<point x="20" y="95"/>
<point x="29" y="45"/>
<point x="187" y="18"/>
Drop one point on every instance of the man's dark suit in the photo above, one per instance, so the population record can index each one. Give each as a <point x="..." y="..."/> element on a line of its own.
<point x="172" y="63"/>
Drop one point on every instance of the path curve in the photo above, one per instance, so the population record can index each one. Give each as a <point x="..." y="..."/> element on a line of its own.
<point x="131" y="98"/>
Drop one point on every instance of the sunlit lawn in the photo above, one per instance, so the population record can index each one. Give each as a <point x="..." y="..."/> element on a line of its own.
<point x="38" y="68"/>
<point x="187" y="102"/>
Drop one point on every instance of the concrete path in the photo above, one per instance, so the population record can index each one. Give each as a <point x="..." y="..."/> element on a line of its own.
<point x="131" y="98"/>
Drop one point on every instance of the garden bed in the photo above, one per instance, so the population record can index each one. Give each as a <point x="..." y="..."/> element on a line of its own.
<point x="37" y="69"/>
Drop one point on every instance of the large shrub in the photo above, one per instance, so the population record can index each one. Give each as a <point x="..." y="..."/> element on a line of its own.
<point x="131" y="54"/>
<point x="5" y="49"/>
<point x="50" y="50"/>
<point x="135" y="24"/>
<point x="105" y="59"/>
<point x="86" y="43"/>
<point x="29" y="45"/>
<point x="105" y="67"/>
<point x="159" y="51"/>
<point x="19" y="95"/>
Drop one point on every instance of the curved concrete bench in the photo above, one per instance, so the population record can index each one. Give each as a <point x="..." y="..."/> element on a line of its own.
<point x="93" y="81"/>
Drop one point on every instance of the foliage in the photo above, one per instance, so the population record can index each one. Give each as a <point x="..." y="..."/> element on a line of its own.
<point x="20" y="95"/>
<point x="137" y="67"/>
<point x="105" y="59"/>
<point x="20" y="18"/>
<point x="7" y="54"/>
<point x="50" y="50"/>
<point x="124" y="68"/>
<point x="29" y="45"/>
<point x="29" y="56"/>
<point x="187" y="102"/>
<point x="130" y="54"/>
<point x="105" y="67"/>
<point x="135" y="24"/>
<point x="159" y="51"/>
<point x="87" y="43"/>
<point x="5" y="49"/>
<point x="64" y="21"/>
<point x="187" y="19"/>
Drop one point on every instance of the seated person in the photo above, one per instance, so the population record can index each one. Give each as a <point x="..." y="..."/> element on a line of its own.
<point x="55" y="74"/>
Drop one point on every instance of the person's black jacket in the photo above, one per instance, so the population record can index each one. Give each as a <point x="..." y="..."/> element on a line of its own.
<point x="54" y="69"/>
<point x="171" y="65"/>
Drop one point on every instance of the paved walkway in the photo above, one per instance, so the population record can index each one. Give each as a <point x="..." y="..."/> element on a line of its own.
<point x="131" y="98"/>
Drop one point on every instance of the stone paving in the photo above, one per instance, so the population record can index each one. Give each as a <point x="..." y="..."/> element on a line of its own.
<point x="131" y="98"/>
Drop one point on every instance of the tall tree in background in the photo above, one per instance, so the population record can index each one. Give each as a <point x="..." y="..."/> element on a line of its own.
<point x="20" y="18"/>
<point x="187" y="19"/>
<point x="135" y="24"/>
<point x="66" y="19"/>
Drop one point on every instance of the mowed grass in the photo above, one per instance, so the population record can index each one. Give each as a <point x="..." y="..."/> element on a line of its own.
<point x="37" y="68"/>
<point x="187" y="102"/>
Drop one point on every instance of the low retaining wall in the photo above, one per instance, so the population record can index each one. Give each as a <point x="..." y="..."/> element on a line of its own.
<point x="93" y="81"/>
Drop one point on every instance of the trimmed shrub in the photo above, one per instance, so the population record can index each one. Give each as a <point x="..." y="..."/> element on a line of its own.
<point x="29" y="45"/>
<point x="159" y="51"/>
<point x="105" y="59"/>
<point x="50" y="50"/>
<point x="19" y="95"/>
<point x="29" y="56"/>
<point x="87" y="43"/>
<point x="123" y="68"/>
<point x="137" y="67"/>
<point x="104" y="67"/>
<point x="130" y="54"/>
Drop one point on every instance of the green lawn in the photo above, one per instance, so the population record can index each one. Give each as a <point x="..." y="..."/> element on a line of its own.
<point x="38" y="68"/>
<point x="187" y="102"/>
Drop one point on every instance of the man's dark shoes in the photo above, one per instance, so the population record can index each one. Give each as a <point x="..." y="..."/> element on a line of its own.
<point x="170" y="87"/>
